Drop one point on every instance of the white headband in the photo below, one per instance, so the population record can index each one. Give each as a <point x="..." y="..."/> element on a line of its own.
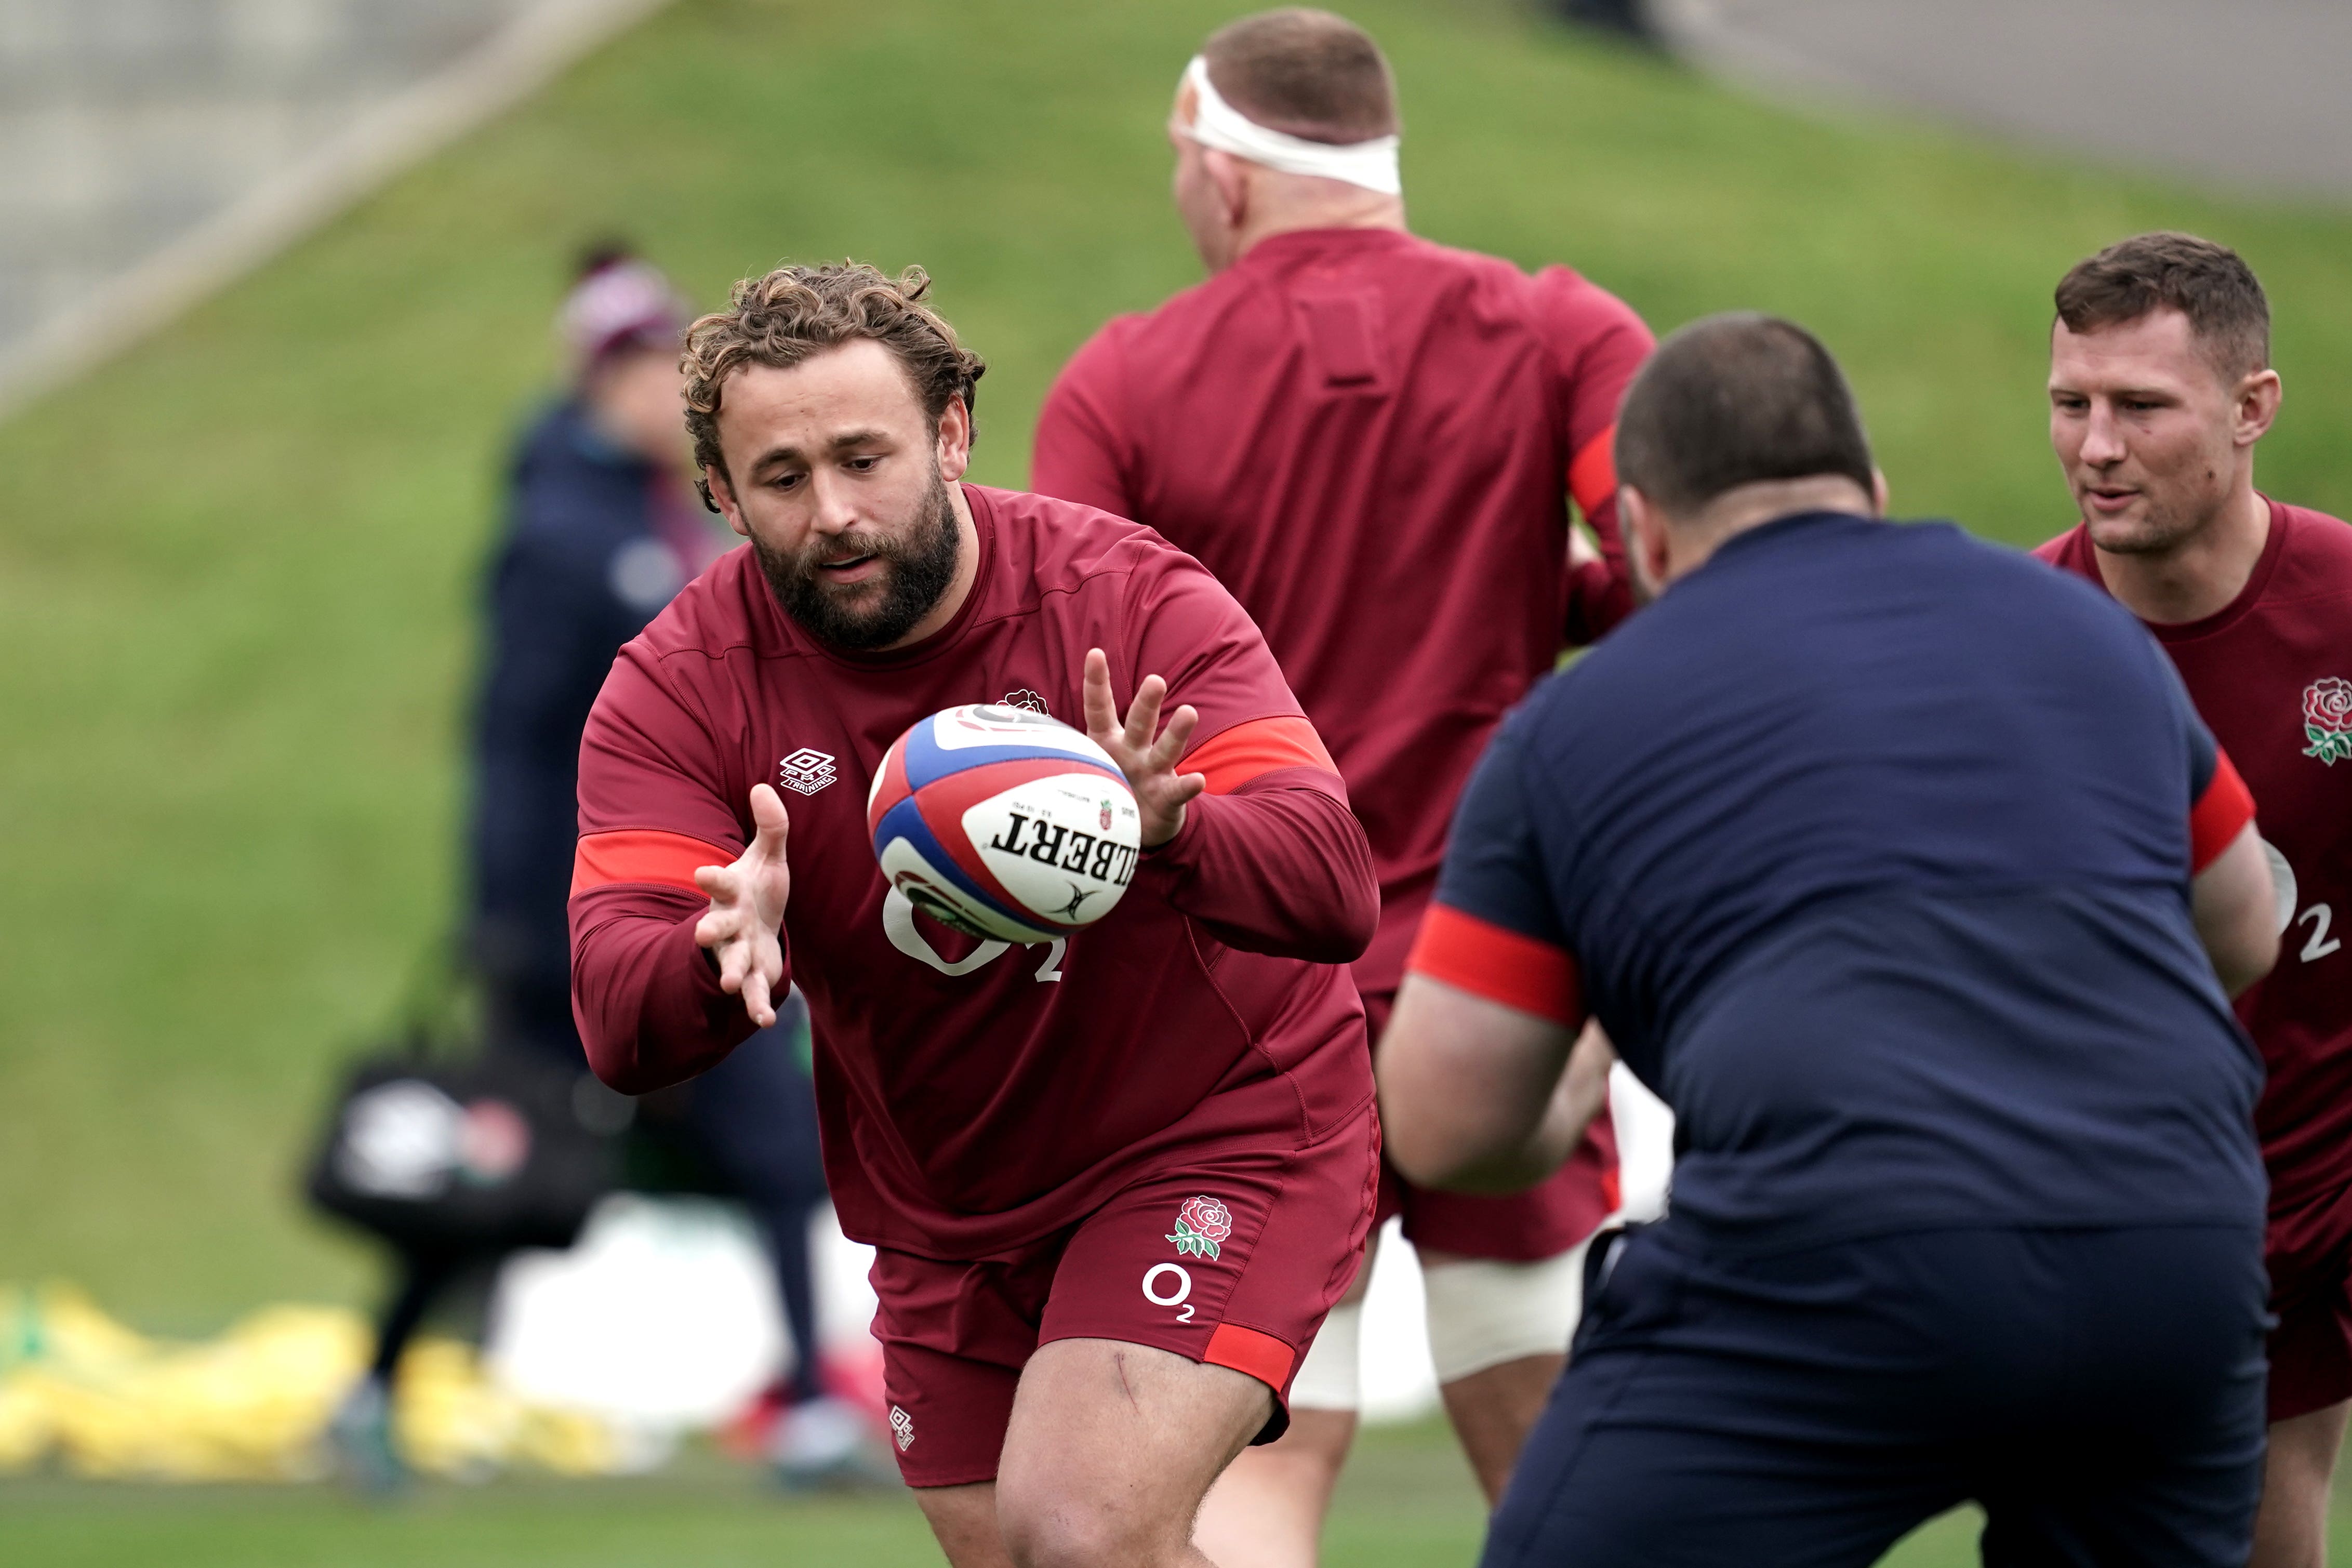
<point x="1216" y="123"/>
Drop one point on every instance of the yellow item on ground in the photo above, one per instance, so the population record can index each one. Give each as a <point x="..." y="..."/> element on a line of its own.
<point x="78" y="1389"/>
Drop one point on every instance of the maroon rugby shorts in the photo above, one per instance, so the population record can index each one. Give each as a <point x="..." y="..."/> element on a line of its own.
<point x="2309" y="1254"/>
<point x="1543" y="1222"/>
<point x="1230" y="1255"/>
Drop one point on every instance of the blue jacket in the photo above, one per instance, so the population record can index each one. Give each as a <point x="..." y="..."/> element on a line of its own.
<point x="579" y="569"/>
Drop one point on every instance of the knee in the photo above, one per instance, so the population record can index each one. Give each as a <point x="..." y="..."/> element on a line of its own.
<point x="1045" y="1527"/>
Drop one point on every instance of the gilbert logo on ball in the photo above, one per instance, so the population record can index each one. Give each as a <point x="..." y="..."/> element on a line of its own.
<point x="1003" y="823"/>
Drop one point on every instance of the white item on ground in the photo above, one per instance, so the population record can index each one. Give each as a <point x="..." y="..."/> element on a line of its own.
<point x="845" y="1297"/>
<point x="818" y="1435"/>
<point x="662" y="1316"/>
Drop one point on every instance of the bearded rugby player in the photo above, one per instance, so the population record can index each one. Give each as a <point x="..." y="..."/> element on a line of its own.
<point x="1113" y="1182"/>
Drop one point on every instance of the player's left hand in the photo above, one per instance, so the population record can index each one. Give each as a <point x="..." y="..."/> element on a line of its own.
<point x="1149" y="764"/>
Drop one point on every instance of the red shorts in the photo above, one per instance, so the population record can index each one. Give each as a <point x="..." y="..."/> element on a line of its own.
<point x="1233" y="1257"/>
<point x="2309" y="1255"/>
<point x="1524" y="1227"/>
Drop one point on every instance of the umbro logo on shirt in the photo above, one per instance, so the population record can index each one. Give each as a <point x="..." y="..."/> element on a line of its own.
<point x="808" y="769"/>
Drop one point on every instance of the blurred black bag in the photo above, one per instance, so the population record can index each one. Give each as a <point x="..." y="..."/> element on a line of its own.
<point x="440" y="1143"/>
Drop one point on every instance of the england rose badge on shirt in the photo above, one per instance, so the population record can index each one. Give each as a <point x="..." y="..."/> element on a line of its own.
<point x="2328" y="719"/>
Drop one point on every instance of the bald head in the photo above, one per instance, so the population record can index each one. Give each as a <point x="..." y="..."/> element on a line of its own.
<point x="1310" y="74"/>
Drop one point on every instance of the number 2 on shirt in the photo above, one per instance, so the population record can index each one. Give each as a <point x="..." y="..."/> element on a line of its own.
<point x="898" y="925"/>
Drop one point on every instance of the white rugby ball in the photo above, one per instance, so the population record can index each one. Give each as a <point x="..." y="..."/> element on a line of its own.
<point x="1003" y="823"/>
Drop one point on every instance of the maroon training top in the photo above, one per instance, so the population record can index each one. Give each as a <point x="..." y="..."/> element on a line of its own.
<point x="1370" y="439"/>
<point x="975" y="1097"/>
<point x="2272" y="674"/>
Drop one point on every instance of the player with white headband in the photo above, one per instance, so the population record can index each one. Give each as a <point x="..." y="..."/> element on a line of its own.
<point x="1216" y="124"/>
<point x="1372" y="441"/>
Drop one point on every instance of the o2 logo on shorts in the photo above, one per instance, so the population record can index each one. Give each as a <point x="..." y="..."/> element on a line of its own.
<point x="1168" y="1285"/>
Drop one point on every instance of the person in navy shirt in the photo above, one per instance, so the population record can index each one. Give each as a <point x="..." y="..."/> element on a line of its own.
<point x="1902" y="868"/>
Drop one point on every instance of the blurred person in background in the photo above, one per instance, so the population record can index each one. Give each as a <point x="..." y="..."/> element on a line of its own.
<point x="1372" y="441"/>
<point x="601" y="530"/>
<point x="2160" y="388"/>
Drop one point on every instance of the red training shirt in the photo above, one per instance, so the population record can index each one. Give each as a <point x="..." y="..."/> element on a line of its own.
<point x="1371" y="438"/>
<point x="2272" y="674"/>
<point x="975" y="1097"/>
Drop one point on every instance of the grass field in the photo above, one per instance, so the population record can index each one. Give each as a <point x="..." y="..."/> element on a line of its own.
<point x="236" y="568"/>
<point x="1406" y="1501"/>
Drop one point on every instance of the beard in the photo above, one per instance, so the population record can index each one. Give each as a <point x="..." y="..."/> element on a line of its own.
<point x="919" y="562"/>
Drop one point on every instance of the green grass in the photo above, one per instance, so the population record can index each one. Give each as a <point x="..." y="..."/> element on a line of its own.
<point x="1406" y="1501"/>
<point x="236" y="568"/>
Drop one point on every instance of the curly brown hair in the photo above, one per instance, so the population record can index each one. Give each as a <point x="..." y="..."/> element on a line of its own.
<point x="792" y="313"/>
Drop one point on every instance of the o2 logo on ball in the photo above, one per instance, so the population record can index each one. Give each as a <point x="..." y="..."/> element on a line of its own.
<point x="1003" y="823"/>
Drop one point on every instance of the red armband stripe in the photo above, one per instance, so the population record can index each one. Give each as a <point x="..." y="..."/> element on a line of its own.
<point x="1497" y="963"/>
<point x="1592" y="475"/>
<point x="1246" y="1350"/>
<point x="643" y="855"/>
<point x="1235" y="756"/>
<point x="2222" y="813"/>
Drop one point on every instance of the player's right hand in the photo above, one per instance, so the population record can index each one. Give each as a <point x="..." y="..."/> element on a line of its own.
<point x="747" y="908"/>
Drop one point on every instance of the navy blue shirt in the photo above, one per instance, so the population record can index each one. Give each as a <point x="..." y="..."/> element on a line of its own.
<point x="1871" y="844"/>
<point x="580" y="567"/>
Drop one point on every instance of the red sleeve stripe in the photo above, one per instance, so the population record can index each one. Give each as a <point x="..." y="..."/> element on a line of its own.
<point x="1246" y="1350"/>
<point x="1238" y="755"/>
<point x="1592" y="477"/>
<point x="642" y="855"/>
<point x="2221" y="814"/>
<point x="1497" y="963"/>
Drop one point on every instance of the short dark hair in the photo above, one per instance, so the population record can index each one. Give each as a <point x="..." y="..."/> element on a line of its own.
<point x="1311" y="74"/>
<point x="785" y="316"/>
<point x="1732" y="400"/>
<point x="2211" y="284"/>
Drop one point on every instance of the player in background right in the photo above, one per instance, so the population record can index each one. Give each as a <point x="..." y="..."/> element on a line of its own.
<point x="1372" y="440"/>
<point x="2161" y="386"/>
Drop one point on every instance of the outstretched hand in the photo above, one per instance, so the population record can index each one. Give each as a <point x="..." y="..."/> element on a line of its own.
<point x="747" y="908"/>
<point x="1149" y="764"/>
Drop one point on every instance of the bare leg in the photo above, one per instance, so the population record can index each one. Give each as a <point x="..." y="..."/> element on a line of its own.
<point x="964" y="1521"/>
<point x="1494" y="1403"/>
<point x="1111" y="1447"/>
<point x="1267" y="1510"/>
<point x="2291" y="1531"/>
<point x="1493" y="1411"/>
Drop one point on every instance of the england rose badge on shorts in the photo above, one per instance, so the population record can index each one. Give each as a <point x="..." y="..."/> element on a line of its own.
<point x="1200" y="1225"/>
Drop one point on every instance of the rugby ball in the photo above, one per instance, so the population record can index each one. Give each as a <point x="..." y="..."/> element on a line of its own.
<point x="1003" y="823"/>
